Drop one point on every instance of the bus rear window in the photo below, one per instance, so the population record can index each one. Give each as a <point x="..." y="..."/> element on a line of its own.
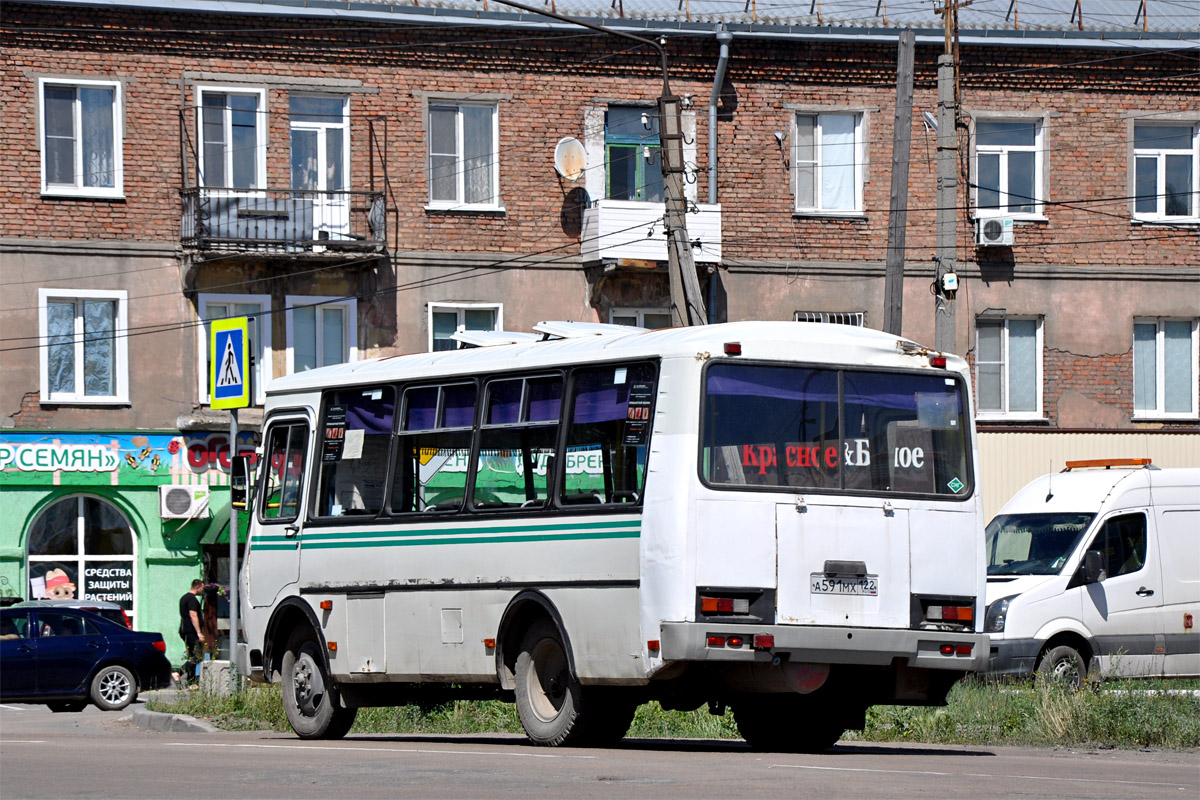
<point x="851" y="430"/>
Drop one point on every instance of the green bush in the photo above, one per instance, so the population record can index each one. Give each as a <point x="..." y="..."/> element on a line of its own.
<point x="1126" y="714"/>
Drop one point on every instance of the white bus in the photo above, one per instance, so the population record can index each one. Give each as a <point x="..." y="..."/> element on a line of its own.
<point x="777" y="518"/>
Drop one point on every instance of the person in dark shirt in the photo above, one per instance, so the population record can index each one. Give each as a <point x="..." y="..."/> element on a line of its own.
<point x="190" y="629"/>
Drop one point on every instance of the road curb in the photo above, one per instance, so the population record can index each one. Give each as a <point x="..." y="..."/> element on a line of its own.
<point x="171" y="723"/>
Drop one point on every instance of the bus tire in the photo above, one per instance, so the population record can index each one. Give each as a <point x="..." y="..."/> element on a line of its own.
<point x="309" y="696"/>
<point x="549" y="698"/>
<point x="1063" y="665"/>
<point x="786" y="724"/>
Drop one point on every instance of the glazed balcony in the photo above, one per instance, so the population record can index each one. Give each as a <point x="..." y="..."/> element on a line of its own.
<point x="633" y="230"/>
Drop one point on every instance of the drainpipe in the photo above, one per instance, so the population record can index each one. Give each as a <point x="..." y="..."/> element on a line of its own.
<point x="724" y="37"/>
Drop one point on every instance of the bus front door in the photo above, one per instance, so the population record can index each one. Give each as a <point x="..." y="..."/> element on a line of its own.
<point x="274" y="559"/>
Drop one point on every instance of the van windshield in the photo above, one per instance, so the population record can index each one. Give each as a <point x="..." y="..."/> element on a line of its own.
<point x="1033" y="544"/>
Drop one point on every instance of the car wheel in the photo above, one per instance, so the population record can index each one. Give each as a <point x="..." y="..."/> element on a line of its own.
<point x="549" y="698"/>
<point x="1063" y="664"/>
<point x="787" y="724"/>
<point x="309" y="697"/>
<point x="113" y="688"/>
<point x="59" y="706"/>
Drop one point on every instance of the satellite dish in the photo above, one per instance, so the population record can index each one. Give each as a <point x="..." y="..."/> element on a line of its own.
<point x="569" y="158"/>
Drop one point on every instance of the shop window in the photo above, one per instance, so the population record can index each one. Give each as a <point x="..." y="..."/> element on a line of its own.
<point x="82" y="548"/>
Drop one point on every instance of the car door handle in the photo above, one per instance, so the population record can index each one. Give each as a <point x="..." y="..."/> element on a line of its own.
<point x="1144" y="592"/>
<point x="25" y="648"/>
<point x="291" y="530"/>
<point x="95" y="645"/>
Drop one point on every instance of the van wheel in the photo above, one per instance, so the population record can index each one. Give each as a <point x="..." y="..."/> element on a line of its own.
<point x="787" y="723"/>
<point x="309" y="697"/>
<point x="550" y="701"/>
<point x="1063" y="665"/>
<point x="113" y="688"/>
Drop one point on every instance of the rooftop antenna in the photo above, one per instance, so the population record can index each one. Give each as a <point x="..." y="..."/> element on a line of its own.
<point x="1050" y="481"/>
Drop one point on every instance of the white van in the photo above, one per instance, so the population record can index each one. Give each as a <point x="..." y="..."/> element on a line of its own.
<point x="1097" y="569"/>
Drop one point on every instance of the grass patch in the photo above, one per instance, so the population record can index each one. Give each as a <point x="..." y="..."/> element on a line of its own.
<point x="1124" y="714"/>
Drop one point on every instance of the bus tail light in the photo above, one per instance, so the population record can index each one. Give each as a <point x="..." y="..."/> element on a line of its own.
<point x="946" y="649"/>
<point x="763" y="641"/>
<point x="725" y="605"/>
<point x="733" y="348"/>
<point x="963" y="650"/>
<point x="937" y="361"/>
<point x="953" y="613"/>
<point x="716" y="641"/>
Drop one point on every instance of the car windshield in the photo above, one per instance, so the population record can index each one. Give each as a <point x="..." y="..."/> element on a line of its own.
<point x="1033" y="544"/>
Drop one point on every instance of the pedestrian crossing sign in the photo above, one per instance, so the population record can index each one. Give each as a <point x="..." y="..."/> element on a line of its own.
<point x="229" y="372"/>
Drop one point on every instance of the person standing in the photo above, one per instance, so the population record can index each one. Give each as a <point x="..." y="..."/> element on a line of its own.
<point x="190" y="629"/>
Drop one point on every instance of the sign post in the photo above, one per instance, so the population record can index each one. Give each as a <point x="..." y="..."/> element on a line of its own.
<point x="229" y="381"/>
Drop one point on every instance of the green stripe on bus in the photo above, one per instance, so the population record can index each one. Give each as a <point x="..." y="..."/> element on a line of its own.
<point x="273" y="541"/>
<point x="536" y="537"/>
<point x="493" y="529"/>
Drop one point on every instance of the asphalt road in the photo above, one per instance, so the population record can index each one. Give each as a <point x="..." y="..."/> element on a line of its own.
<point x="94" y="754"/>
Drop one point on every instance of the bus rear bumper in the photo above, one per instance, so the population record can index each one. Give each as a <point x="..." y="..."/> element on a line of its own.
<point x="926" y="649"/>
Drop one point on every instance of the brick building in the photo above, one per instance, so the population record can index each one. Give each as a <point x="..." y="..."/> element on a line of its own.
<point x="365" y="178"/>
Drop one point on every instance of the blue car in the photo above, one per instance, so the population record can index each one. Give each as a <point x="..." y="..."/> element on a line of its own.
<point x="68" y="657"/>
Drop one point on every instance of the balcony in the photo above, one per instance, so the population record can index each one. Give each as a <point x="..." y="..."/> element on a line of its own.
<point x="630" y="229"/>
<point x="282" y="221"/>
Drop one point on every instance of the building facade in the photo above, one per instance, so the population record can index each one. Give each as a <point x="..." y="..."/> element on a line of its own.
<point x="365" y="179"/>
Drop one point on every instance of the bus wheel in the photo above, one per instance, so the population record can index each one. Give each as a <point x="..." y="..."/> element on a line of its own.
<point x="309" y="697"/>
<point x="549" y="698"/>
<point x="786" y="724"/>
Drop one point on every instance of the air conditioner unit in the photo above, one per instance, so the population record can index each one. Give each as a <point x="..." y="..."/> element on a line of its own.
<point x="994" y="232"/>
<point x="182" y="502"/>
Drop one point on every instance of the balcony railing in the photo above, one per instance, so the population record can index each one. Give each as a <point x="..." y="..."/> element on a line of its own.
<point x="282" y="220"/>
<point x="630" y="229"/>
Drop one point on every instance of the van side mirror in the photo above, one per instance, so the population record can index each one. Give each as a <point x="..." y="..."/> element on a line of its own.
<point x="1093" y="566"/>
<point x="239" y="482"/>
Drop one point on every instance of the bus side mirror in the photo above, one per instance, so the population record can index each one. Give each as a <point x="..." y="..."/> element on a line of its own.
<point x="239" y="482"/>
<point x="1093" y="566"/>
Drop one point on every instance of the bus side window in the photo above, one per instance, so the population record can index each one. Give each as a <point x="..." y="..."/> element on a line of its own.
<point x="287" y="446"/>
<point x="517" y="443"/>
<point x="608" y="434"/>
<point x="356" y="437"/>
<point x="434" y="449"/>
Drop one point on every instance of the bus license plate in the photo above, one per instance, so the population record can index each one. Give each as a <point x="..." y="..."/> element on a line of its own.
<point x="867" y="586"/>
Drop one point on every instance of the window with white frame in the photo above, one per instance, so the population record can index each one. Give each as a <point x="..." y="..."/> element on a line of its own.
<point x="83" y="347"/>
<point x="446" y="319"/>
<point x="232" y="138"/>
<point x="1008" y="166"/>
<point x="320" y="331"/>
<point x="1008" y="367"/>
<point x="463" y="168"/>
<point x="1164" y="368"/>
<point x="81" y="137"/>
<point x="1166" y="170"/>
<point x="827" y="162"/>
<point x="633" y="154"/>
<point x="650" y="318"/>
<point x="223" y="306"/>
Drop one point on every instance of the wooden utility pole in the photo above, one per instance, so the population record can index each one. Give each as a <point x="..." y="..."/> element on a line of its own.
<point x="947" y="182"/>
<point x="893" y="290"/>
<point x="687" y="301"/>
